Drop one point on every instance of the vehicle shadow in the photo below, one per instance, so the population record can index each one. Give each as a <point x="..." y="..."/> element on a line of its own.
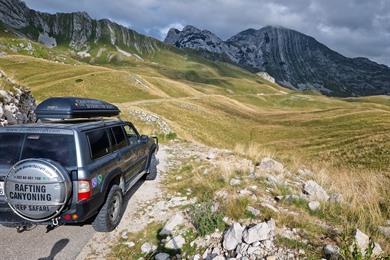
<point x="58" y="247"/>
<point x="130" y="194"/>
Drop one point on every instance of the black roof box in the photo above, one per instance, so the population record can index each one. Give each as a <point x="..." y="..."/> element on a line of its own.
<point x="74" y="107"/>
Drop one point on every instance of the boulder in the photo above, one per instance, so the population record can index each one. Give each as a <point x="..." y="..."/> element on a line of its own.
<point x="172" y="223"/>
<point x="175" y="243"/>
<point x="314" y="205"/>
<point x="233" y="236"/>
<point x="315" y="191"/>
<point x="270" y="165"/>
<point x="260" y="232"/>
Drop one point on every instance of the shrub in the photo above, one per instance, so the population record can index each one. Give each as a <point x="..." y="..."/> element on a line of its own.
<point x="206" y="220"/>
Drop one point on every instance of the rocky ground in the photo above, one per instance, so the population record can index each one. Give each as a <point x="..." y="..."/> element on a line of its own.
<point x="16" y="102"/>
<point x="164" y="227"/>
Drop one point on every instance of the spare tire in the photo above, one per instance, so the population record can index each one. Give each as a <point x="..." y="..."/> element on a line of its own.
<point x="37" y="189"/>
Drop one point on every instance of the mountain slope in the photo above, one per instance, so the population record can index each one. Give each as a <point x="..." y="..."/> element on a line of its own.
<point x="76" y="30"/>
<point x="294" y="59"/>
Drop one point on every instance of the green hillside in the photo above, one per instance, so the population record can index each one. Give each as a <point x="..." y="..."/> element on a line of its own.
<point x="214" y="103"/>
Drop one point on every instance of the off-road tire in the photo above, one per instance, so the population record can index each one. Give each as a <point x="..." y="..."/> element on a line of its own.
<point x="152" y="171"/>
<point x="105" y="220"/>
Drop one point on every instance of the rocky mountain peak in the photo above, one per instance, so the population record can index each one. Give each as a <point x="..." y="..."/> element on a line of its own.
<point x="294" y="59"/>
<point x="192" y="37"/>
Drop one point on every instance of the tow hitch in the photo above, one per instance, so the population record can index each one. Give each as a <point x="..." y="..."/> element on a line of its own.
<point x="53" y="225"/>
<point x="26" y="227"/>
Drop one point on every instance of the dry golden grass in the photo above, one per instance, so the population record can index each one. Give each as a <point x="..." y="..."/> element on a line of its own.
<point x="365" y="193"/>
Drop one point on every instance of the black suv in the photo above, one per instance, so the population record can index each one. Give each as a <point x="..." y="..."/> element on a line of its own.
<point x="71" y="166"/>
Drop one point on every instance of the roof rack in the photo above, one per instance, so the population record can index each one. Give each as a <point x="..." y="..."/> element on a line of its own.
<point x="75" y="108"/>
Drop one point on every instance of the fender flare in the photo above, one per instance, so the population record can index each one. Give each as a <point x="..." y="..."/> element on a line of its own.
<point x="109" y="178"/>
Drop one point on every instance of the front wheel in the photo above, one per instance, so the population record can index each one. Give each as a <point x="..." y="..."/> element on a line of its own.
<point x="110" y="214"/>
<point x="152" y="171"/>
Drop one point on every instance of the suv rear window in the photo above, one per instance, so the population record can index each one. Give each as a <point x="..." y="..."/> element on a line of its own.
<point x="99" y="143"/>
<point x="10" y="145"/>
<point x="59" y="148"/>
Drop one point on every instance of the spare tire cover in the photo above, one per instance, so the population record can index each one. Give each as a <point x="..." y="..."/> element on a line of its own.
<point x="37" y="189"/>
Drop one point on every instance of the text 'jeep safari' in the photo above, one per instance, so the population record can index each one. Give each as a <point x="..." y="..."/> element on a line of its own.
<point x="72" y="166"/>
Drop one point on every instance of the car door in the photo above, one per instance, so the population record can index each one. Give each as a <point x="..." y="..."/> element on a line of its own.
<point x="136" y="150"/>
<point x="102" y="158"/>
<point x="125" y="155"/>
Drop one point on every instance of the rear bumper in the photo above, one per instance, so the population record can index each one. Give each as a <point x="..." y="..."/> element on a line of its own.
<point x="84" y="211"/>
<point x="8" y="217"/>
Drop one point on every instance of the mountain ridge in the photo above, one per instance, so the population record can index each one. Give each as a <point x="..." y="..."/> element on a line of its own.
<point x="294" y="59"/>
<point x="76" y="30"/>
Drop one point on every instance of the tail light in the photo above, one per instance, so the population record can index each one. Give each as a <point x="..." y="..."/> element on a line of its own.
<point x="84" y="190"/>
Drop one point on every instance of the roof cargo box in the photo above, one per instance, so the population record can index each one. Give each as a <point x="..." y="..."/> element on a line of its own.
<point x="73" y="107"/>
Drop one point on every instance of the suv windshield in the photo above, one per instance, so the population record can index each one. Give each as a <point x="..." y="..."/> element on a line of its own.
<point x="59" y="148"/>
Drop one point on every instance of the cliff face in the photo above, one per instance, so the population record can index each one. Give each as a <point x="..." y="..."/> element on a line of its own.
<point x="294" y="59"/>
<point x="77" y="30"/>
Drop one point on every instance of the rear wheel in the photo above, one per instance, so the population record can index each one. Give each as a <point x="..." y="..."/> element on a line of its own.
<point x="110" y="214"/>
<point x="152" y="171"/>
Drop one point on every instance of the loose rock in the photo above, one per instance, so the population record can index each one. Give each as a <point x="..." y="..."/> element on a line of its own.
<point x="161" y="256"/>
<point x="175" y="243"/>
<point x="259" y="232"/>
<point x="314" y="205"/>
<point x="362" y="241"/>
<point x="233" y="236"/>
<point x="331" y="251"/>
<point x="147" y="248"/>
<point x="270" y="165"/>
<point x="315" y="191"/>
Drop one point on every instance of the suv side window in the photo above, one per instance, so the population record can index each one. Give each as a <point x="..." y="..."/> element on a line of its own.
<point x="120" y="137"/>
<point x="99" y="143"/>
<point x="132" y="134"/>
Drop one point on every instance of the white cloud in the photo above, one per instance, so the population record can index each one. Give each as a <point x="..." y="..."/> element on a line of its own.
<point x="164" y="30"/>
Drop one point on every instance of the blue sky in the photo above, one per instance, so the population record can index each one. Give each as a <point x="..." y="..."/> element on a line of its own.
<point x="352" y="27"/>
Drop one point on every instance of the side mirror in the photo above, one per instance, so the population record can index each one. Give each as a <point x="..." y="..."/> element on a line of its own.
<point x="144" y="138"/>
